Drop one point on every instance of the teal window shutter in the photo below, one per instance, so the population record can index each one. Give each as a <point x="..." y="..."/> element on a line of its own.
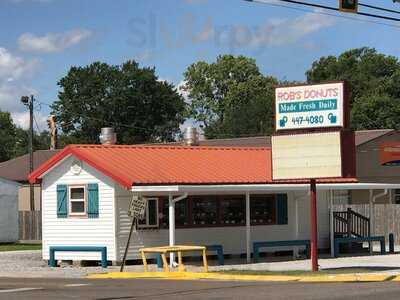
<point x="62" y="201"/>
<point x="282" y="209"/>
<point x="93" y="200"/>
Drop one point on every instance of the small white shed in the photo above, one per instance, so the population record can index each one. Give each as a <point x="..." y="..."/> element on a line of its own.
<point x="8" y="211"/>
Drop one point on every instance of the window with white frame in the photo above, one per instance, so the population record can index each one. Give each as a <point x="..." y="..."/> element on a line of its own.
<point x="150" y="219"/>
<point x="396" y="196"/>
<point x="77" y="200"/>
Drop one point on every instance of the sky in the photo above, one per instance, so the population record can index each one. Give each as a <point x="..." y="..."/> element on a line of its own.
<point x="40" y="40"/>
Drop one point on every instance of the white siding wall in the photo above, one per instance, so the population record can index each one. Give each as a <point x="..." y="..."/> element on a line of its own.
<point x="233" y="239"/>
<point x="78" y="231"/>
<point x="8" y="211"/>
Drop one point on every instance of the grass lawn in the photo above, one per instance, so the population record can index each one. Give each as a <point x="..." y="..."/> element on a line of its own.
<point x="300" y="273"/>
<point x="18" y="247"/>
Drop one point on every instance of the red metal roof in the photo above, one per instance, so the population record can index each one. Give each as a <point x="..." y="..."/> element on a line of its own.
<point x="163" y="165"/>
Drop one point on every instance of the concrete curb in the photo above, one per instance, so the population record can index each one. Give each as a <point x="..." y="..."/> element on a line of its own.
<point x="368" y="277"/>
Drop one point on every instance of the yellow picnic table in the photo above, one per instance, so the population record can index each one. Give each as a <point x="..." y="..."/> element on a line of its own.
<point x="171" y="249"/>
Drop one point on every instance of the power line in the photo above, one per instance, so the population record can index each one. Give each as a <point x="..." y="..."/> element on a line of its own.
<point x="379" y="8"/>
<point x="323" y="13"/>
<point x="337" y="9"/>
<point x="37" y="126"/>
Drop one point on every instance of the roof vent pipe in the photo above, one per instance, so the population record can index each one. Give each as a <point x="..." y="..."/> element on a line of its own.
<point x="191" y="136"/>
<point x="108" y="136"/>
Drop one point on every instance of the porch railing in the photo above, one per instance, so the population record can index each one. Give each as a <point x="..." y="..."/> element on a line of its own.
<point x="350" y="223"/>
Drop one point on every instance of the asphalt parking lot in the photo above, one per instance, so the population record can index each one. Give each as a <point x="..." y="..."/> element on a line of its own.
<point x="13" y="288"/>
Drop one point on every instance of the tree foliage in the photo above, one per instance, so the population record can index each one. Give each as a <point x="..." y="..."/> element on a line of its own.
<point x="374" y="81"/>
<point x="7" y="136"/>
<point x="129" y="98"/>
<point x="41" y="141"/>
<point x="230" y="97"/>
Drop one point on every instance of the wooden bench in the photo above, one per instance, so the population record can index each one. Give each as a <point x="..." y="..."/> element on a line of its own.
<point x="343" y="240"/>
<point x="217" y="248"/>
<point x="258" y="245"/>
<point x="103" y="250"/>
<point x="164" y="250"/>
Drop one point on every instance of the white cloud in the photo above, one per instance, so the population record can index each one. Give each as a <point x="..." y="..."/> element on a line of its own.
<point x="52" y="42"/>
<point x="21" y="119"/>
<point x="13" y="67"/>
<point x="280" y="32"/>
<point x="13" y="71"/>
<point x="273" y="32"/>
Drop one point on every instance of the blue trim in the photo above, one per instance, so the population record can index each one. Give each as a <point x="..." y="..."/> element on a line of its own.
<point x="103" y="250"/>
<point x="93" y="200"/>
<point x="258" y="245"/>
<point x="343" y="240"/>
<point x="282" y="209"/>
<point x="62" y="202"/>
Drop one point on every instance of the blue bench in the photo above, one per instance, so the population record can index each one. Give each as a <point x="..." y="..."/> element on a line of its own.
<point x="258" y="245"/>
<point x="103" y="250"/>
<point x="218" y="248"/>
<point x="220" y="252"/>
<point x="343" y="240"/>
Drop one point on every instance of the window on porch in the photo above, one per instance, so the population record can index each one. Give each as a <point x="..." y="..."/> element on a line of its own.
<point x="227" y="210"/>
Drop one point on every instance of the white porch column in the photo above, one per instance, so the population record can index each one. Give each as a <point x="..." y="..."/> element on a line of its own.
<point x="248" y="229"/>
<point x="371" y="218"/>
<point x="171" y="220"/>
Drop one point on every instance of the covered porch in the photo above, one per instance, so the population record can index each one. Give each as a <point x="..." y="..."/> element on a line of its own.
<point x="297" y="210"/>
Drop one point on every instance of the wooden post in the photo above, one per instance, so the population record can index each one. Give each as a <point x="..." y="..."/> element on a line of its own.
<point x="205" y="264"/>
<point x="313" y="225"/>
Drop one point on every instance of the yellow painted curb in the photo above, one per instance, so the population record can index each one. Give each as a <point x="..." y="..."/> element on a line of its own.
<point x="346" y="278"/>
<point x="237" y="277"/>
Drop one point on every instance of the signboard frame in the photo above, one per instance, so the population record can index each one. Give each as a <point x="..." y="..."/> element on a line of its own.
<point x="345" y="110"/>
<point x="347" y="155"/>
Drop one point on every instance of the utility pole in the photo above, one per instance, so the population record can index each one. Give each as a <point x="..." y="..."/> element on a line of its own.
<point x="28" y="101"/>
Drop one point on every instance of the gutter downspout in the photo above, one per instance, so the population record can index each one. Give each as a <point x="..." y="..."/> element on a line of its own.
<point x="171" y="219"/>
<point x="372" y="214"/>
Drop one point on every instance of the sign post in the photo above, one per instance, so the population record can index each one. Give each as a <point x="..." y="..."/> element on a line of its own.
<point x="137" y="209"/>
<point x="312" y="140"/>
<point x="313" y="225"/>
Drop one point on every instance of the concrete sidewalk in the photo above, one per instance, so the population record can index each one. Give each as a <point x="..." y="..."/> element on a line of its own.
<point x="30" y="264"/>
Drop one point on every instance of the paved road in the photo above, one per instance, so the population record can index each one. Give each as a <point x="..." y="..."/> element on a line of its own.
<point x="13" y="288"/>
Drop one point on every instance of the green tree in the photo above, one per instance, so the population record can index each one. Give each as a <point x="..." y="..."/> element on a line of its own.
<point x="7" y="136"/>
<point x="129" y="98"/>
<point x="372" y="112"/>
<point x="41" y="141"/>
<point x="373" y="80"/>
<point x="230" y="97"/>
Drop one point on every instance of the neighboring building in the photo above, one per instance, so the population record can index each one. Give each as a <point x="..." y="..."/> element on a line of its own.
<point x="17" y="169"/>
<point x="8" y="211"/>
<point x="87" y="190"/>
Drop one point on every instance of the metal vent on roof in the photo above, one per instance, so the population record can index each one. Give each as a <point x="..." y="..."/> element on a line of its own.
<point x="108" y="136"/>
<point x="191" y="136"/>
